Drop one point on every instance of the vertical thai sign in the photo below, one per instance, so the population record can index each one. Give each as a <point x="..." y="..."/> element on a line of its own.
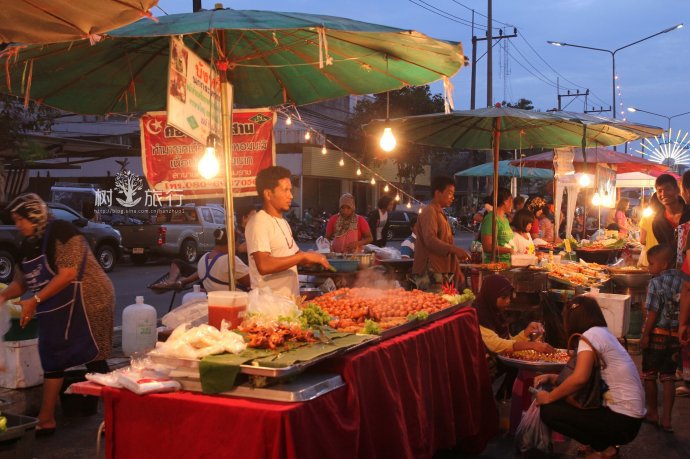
<point x="170" y="157"/>
<point x="193" y="93"/>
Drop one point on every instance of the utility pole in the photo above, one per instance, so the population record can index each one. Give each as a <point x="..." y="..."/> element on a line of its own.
<point x="473" y="91"/>
<point x="568" y="94"/>
<point x="489" y="56"/>
<point x="598" y="110"/>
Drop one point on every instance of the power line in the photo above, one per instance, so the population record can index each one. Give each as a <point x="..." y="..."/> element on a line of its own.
<point x="482" y="15"/>
<point x="544" y="77"/>
<point x="445" y="14"/>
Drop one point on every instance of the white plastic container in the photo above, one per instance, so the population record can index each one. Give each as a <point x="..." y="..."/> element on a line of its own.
<point x="616" y="309"/>
<point x="22" y="365"/>
<point x="139" y="333"/>
<point x="197" y="294"/>
<point x="226" y="305"/>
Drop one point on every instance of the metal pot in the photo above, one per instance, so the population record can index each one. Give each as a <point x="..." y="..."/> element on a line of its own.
<point x="632" y="280"/>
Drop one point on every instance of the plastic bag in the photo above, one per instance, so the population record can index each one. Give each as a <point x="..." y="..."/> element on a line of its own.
<point x="193" y="312"/>
<point x="384" y="253"/>
<point x="323" y="245"/>
<point x="532" y="433"/>
<point x="265" y="308"/>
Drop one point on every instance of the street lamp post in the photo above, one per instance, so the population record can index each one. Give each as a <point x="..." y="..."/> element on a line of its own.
<point x="668" y="118"/>
<point x="613" y="56"/>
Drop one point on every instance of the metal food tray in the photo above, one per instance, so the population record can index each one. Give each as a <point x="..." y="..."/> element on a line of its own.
<point x="411" y="325"/>
<point x="307" y="387"/>
<point x="528" y="365"/>
<point x="577" y="287"/>
<point x="258" y="370"/>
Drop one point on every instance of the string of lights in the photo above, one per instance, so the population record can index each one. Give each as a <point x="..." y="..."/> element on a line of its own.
<point x="292" y="116"/>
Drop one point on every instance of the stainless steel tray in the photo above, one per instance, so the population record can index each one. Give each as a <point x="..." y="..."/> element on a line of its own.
<point x="407" y="326"/>
<point x="307" y="387"/>
<point x="534" y="366"/>
<point x="255" y="368"/>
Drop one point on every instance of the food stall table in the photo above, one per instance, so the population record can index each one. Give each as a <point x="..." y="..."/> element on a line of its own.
<point x="406" y="397"/>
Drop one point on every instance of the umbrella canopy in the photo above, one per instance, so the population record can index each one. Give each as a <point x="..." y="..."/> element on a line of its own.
<point x="635" y="180"/>
<point x="622" y="161"/>
<point x="475" y="129"/>
<point x="25" y="21"/>
<point x="506" y="169"/>
<point x="508" y="128"/>
<point x="272" y="58"/>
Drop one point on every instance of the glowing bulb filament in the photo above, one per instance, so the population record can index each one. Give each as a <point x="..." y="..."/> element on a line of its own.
<point x="359" y="171"/>
<point x="323" y="150"/>
<point x="409" y="205"/>
<point x="208" y="166"/>
<point x="387" y="141"/>
<point x="585" y="180"/>
<point x="397" y="197"/>
<point x="647" y="212"/>
<point x="307" y="135"/>
<point x="596" y="199"/>
<point x="288" y="121"/>
<point x="341" y="162"/>
<point x="386" y="189"/>
<point x="373" y="181"/>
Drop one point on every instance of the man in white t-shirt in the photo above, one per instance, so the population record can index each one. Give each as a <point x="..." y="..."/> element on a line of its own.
<point x="273" y="252"/>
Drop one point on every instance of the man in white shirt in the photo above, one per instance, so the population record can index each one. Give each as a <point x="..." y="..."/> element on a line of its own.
<point x="273" y="252"/>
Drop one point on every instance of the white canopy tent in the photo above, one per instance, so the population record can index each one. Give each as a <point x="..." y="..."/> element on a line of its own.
<point x="635" y="180"/>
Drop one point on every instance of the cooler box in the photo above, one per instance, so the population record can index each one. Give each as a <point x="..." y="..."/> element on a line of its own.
<point x="616" y="309"/>
<point x="22" y="365"/>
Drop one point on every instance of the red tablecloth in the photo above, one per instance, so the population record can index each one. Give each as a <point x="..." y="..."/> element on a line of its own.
<point x="406" y="397"/>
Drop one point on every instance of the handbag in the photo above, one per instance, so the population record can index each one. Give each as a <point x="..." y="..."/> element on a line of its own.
<point x="591" y="395"/>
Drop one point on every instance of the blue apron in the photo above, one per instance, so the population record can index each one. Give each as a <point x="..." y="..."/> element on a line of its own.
<point x="64" y="333"/>
<point x="209" y="265"/>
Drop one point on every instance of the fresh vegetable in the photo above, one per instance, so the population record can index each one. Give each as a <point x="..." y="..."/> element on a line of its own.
<point x="421" y="315"/>
<point x="313" y="316"/>
<point x="466" y="296"/>
<point x="371" y="327"/>
<point x="3" y="424"/>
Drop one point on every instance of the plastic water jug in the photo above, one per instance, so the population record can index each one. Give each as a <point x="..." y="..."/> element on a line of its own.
<point x="139" y="332"/>
<point x="197" y="294"/>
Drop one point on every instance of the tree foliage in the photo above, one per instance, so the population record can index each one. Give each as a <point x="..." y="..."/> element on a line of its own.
<point x="522" y="103"/>
<point x="16" y="121"/>
<point x="409" y="159"/>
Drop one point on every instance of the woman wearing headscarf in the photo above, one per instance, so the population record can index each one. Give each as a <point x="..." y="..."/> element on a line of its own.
<point x="73" y="299"/>
<point x="494" y="297"/>
<point x="348" y="231"/>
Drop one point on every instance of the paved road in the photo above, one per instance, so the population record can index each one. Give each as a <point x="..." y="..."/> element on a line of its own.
<point x="131" y="280"/>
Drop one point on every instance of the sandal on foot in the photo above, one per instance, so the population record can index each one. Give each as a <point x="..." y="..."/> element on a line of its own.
<point x="667" y="429"/>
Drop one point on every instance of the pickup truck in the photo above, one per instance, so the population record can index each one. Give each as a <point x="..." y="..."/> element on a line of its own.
<point x="183" y="231"/>
<point x="104" y="240"/>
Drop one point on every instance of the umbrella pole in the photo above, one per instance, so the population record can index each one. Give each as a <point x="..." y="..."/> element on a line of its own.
<point x="494" y="235"/>
<point x="226" y="110"/>
<point x="584" y="201"/>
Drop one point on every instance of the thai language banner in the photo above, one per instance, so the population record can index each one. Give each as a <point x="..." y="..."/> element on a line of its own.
<point x="170" y="158"/>
<point x="193" y="93"/>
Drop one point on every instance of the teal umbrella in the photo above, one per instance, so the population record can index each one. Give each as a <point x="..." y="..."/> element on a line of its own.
<point x="271" y="58"/>
<point x="506" y="169"/>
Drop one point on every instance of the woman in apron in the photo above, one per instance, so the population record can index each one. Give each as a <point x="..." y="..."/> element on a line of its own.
<point x="347" y="231"/>
<point x="72" y="298"/>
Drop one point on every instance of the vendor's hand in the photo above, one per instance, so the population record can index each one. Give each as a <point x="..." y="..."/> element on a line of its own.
<point x="543" y="347"/>
<point x="543" y="397"/>
<point x="316" y="259"/>
<point x="462" y="254"/>
<point x="644" y="341"/>
<point x="28" y="311"/>
<point x="534" y="327"/>
<point x="540" y="380"/>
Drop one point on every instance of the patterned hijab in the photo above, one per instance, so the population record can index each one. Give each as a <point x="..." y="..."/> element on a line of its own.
<point x="31" y="207"/>
<point x="342" y="224"/>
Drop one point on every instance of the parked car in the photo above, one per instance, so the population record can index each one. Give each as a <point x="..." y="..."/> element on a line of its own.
<point x="399" y="226"/>
<point x="104" y="240"/>
<point x="178" y="231"/>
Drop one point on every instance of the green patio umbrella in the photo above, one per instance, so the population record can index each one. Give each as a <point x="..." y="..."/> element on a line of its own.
<point x="506" y="169"/>
<point x="508" y="128"/>
<point x="270" y="58"/>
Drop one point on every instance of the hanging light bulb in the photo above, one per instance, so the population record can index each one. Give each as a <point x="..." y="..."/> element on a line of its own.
<point x="359" y="171"/>
<point x="373" y="181"/>
<point x="387" y="141"/>
<point x="324" y="150"/>
<point x="397" y="197"/>
<point x="596" y="199"/>
<point x="208" y="165"/>
<point x="386" y="189"/>
<point x="585" y="181"/>
<point x="420" y="210"/>
<point x="341" y="162"/>
<point x="288" y="121"/>
<point x="647" y="212"/>
<point x="409" y="205"/>
<point x="307" y="135"/>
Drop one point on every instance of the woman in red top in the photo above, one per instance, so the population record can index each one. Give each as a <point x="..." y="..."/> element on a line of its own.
<point x="347" y="231"/>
